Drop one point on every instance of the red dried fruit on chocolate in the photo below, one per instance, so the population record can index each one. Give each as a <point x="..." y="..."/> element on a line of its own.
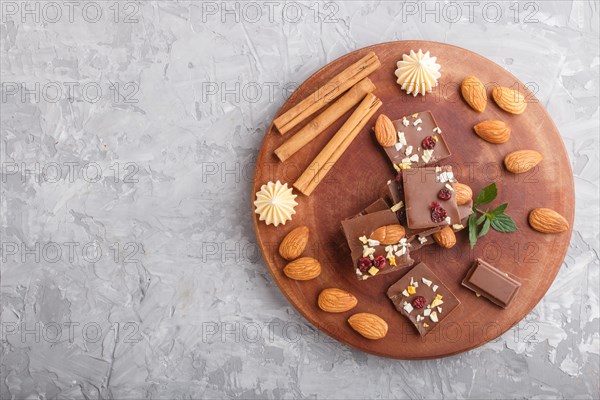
<point x="364" y="264"/>
<point x="379" y="262"/>
<point x="438" y="213"/>
<point x="444" y="194"/>
<point x="428" y="143"/>
<point x="399" y="176"/>
<point x="419" y="302"/>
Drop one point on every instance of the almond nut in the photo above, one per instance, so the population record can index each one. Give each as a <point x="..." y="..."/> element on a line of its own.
<point x="303" y="269"/>
<point x="521" y="161"/>
<point x="388" y="234"/>
<point x="368" y="325"/>
<point x="473" y="91"/>
<point x="463" y="193"/>
<point x="546" y="220"/>
<point x="445" y="237"/>
<point x="294" y="243"/>
<point x="493" y="131"/>
<point x="385" y="131"/>
<point x="336" y="300"/>
<point x="510" y="100"/>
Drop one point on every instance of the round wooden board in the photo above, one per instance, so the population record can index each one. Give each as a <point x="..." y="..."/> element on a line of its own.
<point x="356" y="181"/>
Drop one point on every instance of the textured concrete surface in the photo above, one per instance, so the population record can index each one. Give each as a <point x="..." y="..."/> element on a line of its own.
<point x="129" y="264"/>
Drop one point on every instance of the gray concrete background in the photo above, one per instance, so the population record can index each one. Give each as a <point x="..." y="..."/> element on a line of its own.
<point x="130" y="268"/>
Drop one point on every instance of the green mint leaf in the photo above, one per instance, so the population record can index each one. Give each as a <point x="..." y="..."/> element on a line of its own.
<point x="487" y="194"/>
<point x="500" y="209"/>
<point x="481" y="219"/>
<point x="485" y="228"/>
<point x="504" y="223"/>
<point x="473" y="229"/>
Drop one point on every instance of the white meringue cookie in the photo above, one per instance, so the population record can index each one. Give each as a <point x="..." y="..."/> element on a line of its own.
<point x="418" y="73"/>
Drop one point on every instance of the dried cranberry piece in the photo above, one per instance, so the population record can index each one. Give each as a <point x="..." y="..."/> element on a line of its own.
<point x="438" y="214"/>
<point x="419" y="302"/>
<point x="364" y="264"/>
<point x="399" y="176"/>
<point x="428" y="143"/>
<point x="379" y="262"/>
<point x="444" y="194"/>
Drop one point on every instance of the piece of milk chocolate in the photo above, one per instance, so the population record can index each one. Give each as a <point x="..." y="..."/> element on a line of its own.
<point x="358" y="231"/>
<point x="422" y="187"/>
<point x="497" y="286"/>
<point x="410" y="149"/>
<point x="423" y="298"/>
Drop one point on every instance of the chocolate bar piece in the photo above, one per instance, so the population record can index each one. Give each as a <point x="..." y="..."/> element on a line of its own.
<point x="422" y="298"/>
<point x="429" y="197"/>
<point x="497" y="286"/>
<point x="419" y="143"/>
<point x="369" y="257"/>
<point x="378" y="205"/>
<point x="394" y="192"/>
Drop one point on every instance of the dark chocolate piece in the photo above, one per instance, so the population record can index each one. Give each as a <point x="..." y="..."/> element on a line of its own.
<point x="421" y="189"/>
<point x="394" y="190"/>
<point x="437" y="300"/>
<point x="378" y="205"/>
<point x="408" y="150"/>
<point x="497" y="286"/>
<point x="363" y="226"/>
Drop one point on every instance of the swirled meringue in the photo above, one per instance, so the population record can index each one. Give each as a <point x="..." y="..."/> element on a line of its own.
<point x="275" y="203"/>
<point x="417" y="73"/>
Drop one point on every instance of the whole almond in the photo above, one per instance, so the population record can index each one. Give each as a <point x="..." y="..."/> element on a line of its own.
<point x="473" y="91"/>
<point x="493" y="131"/>
<point x="385" y="131"/>
<point x="368" y="325"/>
<point x="521" y="161"/>
<point x="463" y="193"/>
<point x="303" y="269"/>
<point x="388" y="234"/>
<point x="445" y="237"/>
<point x="510" y="100"/>
<point x="336" y="300"/>
<point x="294" y="243"/>
<point x="546" y="220"/>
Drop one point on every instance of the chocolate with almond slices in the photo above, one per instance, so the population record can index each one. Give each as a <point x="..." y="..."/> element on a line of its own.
<point x="419" y="142"/>
<point x="422" y="298"/>
<point x="370" y="257"/>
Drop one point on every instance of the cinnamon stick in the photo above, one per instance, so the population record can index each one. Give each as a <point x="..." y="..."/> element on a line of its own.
<point x="324" y="162"/>
<point x="327" y="93"/>
<point x="325" y="119"/>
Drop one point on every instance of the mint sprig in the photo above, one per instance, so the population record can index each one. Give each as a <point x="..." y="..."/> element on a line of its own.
<point x="479" y="225"/>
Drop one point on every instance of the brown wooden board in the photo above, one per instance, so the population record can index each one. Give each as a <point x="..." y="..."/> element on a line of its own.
<point x="357" y="179"/>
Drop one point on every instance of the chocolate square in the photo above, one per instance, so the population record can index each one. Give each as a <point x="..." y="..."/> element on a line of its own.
<point x="394" y="192"/>
<point x="421" y="189"/>
<point x="363" y="226"/>
<point x="409" y="150"/>
<point x="378" y="205"/>
<point x="497" y="286"/>
<point x="424" y="282"/>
